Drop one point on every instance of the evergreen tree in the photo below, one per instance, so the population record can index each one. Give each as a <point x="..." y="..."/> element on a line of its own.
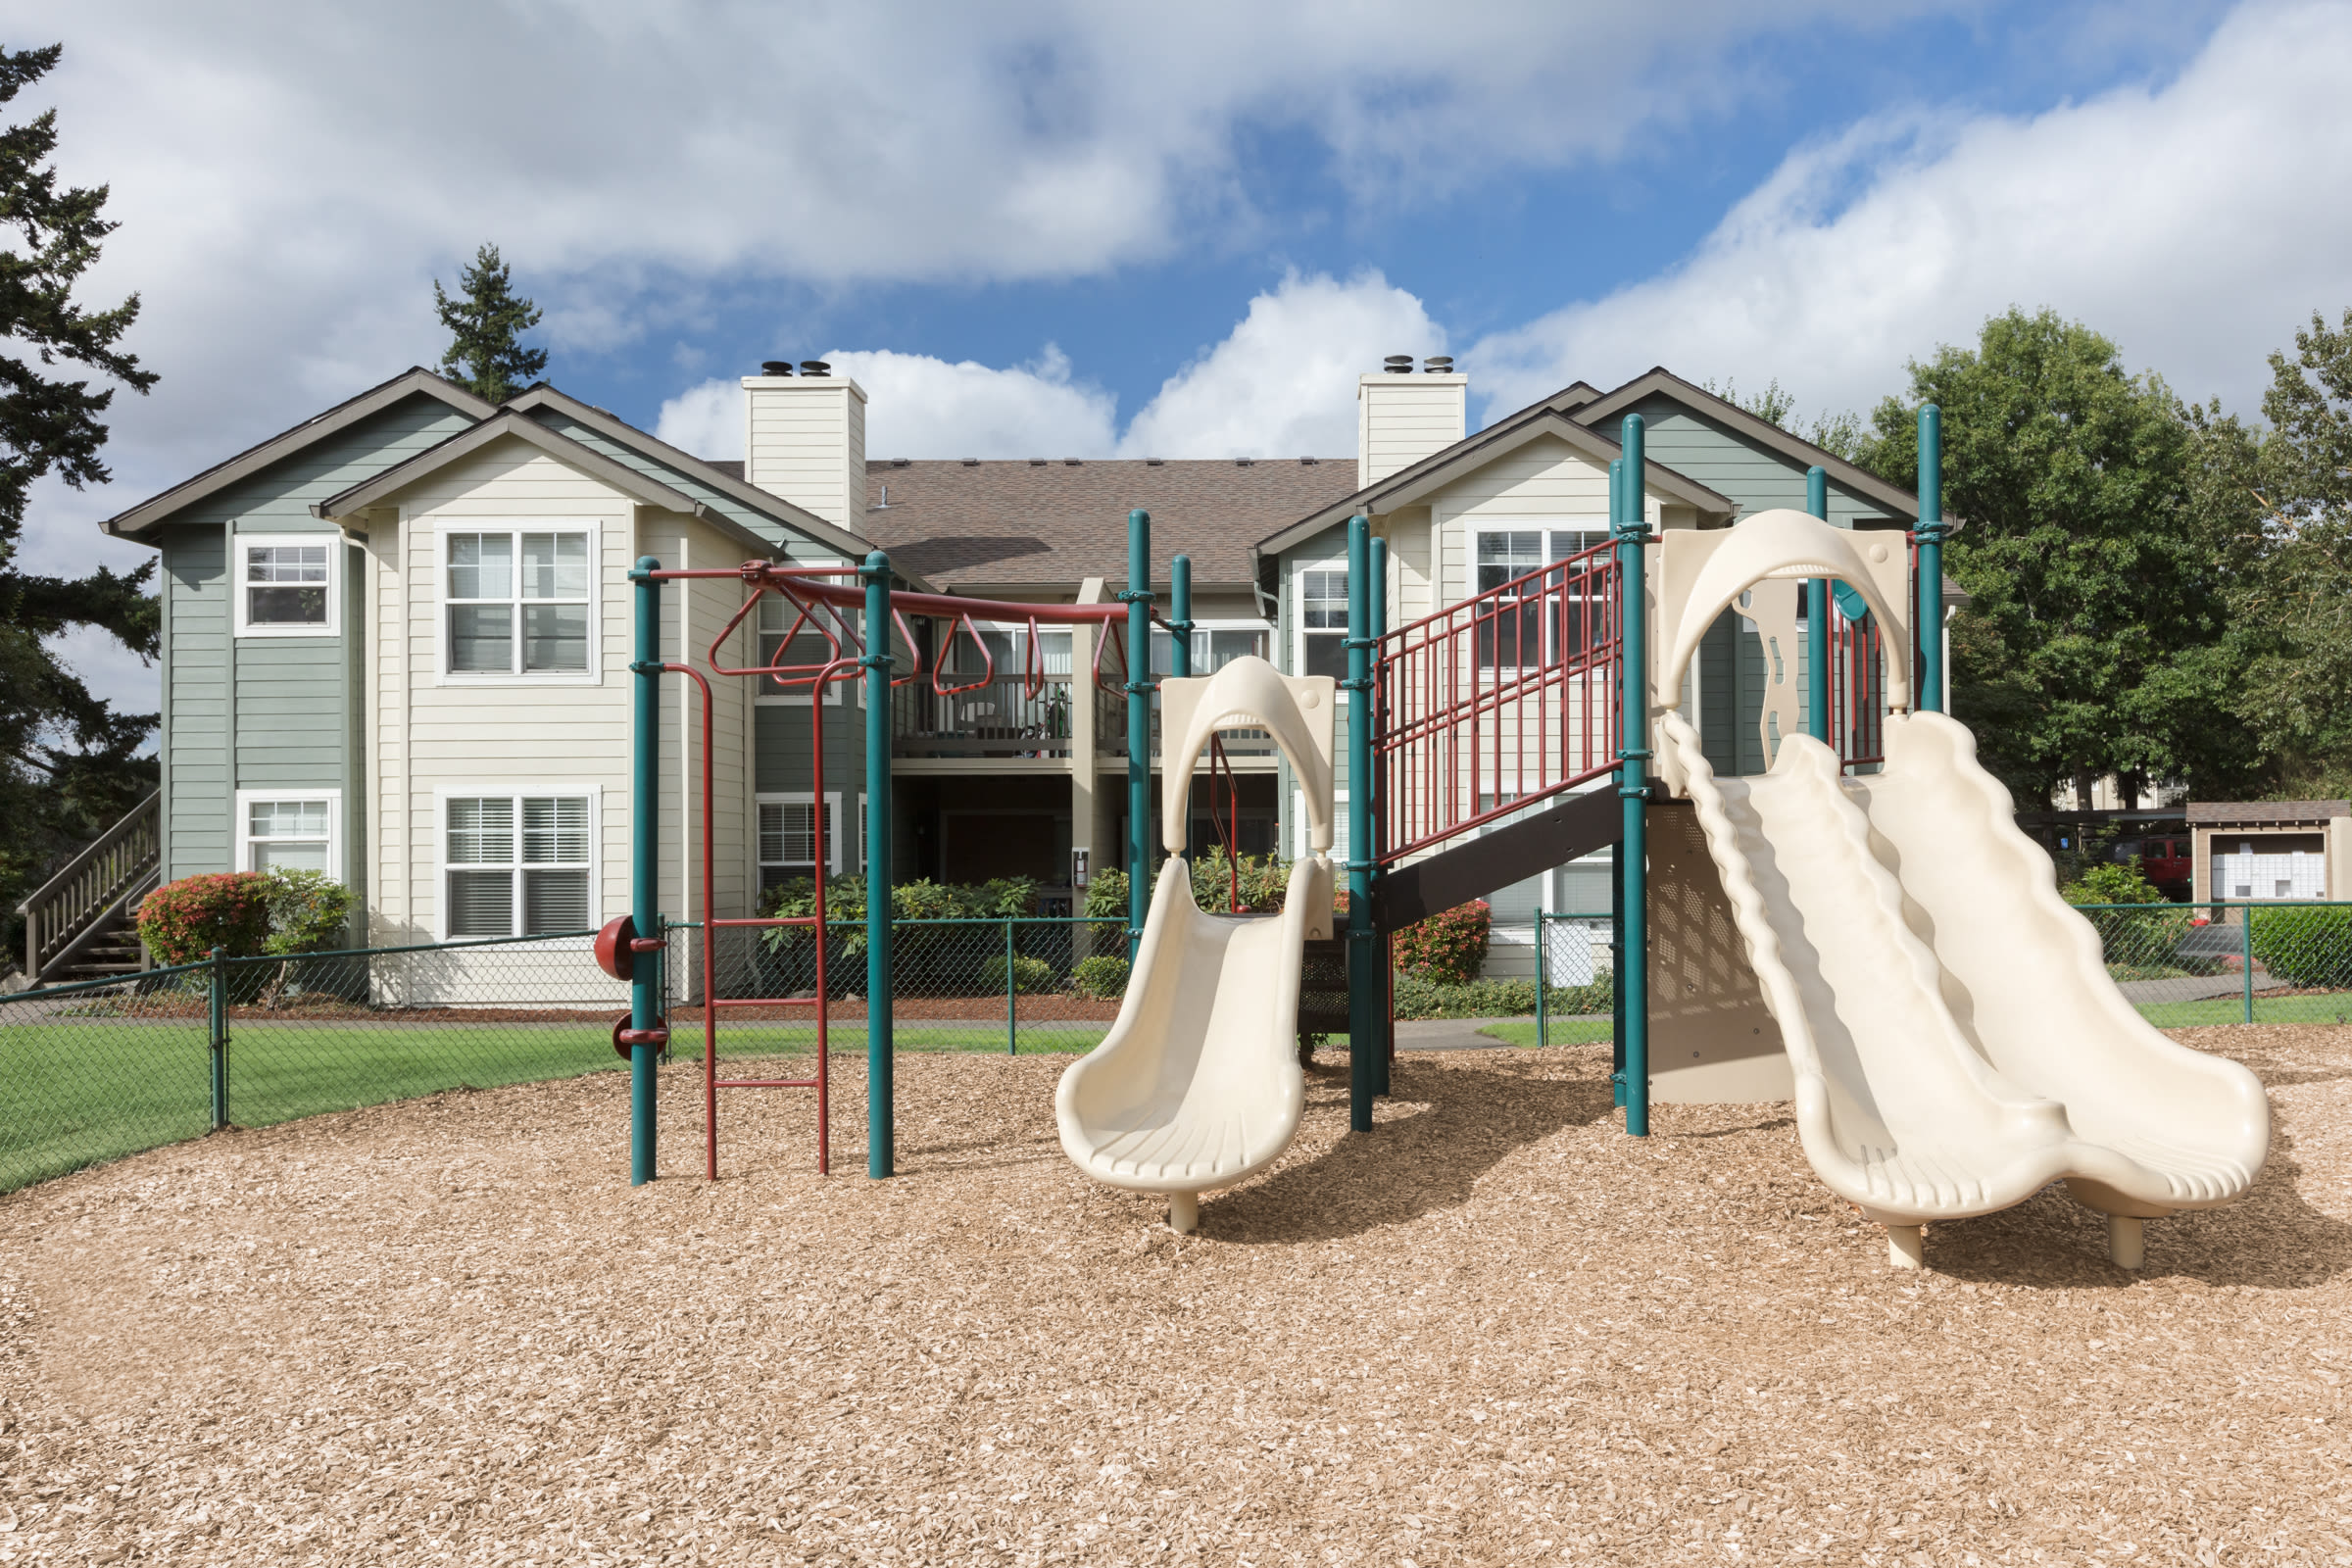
<point x="484" y="321"/>
<point x="67" y="758"/>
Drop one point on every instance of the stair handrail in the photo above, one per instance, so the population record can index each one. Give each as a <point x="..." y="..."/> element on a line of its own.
<point x="91" y="883"/>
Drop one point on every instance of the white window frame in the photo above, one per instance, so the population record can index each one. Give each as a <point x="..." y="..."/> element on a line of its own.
<point x="1203" y="627"/>
<point x="765" y="690"/>
<point x="240" y="620"/>
<point x="830" y="847"/>
<point x="517" y="528"/>
<point x="1297" y="639"/>
<point x="1548" y="529"/>
<point x="495" y="790"/>
<point x="247" y="799"/>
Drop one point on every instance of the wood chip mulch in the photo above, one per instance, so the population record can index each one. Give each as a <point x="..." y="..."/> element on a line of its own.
<point x="1495" y="1331"/>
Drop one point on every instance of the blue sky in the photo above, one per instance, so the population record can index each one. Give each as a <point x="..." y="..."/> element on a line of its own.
<point x="1052" y="227"/>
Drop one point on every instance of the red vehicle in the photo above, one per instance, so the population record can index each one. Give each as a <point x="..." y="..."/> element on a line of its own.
<point x="2164" y="860"/>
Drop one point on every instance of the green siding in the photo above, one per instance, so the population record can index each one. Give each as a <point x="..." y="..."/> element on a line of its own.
<point x="1754" y="477"/>
<point x="299" y="718"/>
<point x="195" y="742"/>
<point x="783" y="756"/>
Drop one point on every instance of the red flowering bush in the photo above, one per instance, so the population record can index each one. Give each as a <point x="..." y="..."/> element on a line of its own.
<point x="182" y="921"/>
<point x="1449" y="946"/>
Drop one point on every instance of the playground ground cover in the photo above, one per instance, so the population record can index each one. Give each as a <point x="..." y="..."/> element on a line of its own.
<point x="1495" y="1331"/>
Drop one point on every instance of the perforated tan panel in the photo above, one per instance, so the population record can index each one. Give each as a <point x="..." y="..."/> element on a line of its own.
<point x="1711" y="1041"/>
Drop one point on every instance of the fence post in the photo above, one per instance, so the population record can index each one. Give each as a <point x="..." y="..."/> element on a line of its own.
<point x="2245" y="950"/>
<point x="1012" y="1027"/>
<point x="1543" y="952"/>
<point x="1633" y="784"/>
<point x="881" y="1125"/>
<point x="216" y="1018"/>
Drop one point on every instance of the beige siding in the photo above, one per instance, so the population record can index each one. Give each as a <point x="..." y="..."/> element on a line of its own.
<point x="434" y="736"/>
<point x="1545" y="482"/>
<point x="1402" y="418"/>
<point x="806" y="441"/>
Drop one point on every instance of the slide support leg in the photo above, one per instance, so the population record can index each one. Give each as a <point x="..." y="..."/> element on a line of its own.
<point x="1906" y="1247"/>
<point x="2126" y="1241"/>
<point x="1184" y="1212"/>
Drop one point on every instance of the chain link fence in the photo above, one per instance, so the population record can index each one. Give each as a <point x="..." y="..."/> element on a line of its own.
<point x="98" y="1071"/>
<point x="2183" y="965"/>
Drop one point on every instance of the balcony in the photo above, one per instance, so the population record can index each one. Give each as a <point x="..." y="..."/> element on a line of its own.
<point x="1000" y="718"/>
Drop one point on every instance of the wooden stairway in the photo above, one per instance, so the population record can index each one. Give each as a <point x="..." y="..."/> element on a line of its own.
<point x="82" y="923"/>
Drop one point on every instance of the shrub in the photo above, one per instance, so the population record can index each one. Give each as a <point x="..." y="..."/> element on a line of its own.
<point x="1029" y="975"/>
<point x="2111" y="883"/>
<point x="185" y="920"/>
<point x="1102" y="978"/>
<point x="1264" y="882"/>
<point x="2307" y="948"/>
<point x="1419" y="996"/>
<point x="1449" y="946"/>
<point x="845" y="909"/>
<point x="310" y="912"/>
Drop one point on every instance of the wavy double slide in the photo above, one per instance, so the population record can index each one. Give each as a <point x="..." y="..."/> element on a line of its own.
<point x="1198" y="1086"/>
<point x="1956" y="1040"/>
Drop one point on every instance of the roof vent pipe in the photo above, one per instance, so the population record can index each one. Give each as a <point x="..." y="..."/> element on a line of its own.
<point x="775" y="367"/>
<point x="1438" y="365"/>
<point x="1398" y="364"/>
<point x="816" y="368"/>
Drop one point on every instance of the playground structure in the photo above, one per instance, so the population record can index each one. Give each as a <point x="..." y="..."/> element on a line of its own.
<point x="1944" y="1024"/>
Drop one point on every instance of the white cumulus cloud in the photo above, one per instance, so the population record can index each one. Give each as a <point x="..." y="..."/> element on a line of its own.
<point x="2196" y="222"/>
<point x="1281" y="384"/>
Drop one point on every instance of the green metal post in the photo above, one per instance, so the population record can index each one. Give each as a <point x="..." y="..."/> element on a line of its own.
<point x="1180" y="665"/>
<point x="2245" y="953"/>
<point x="1616" y="872"/>
<point x="217" y="1019"/>
<point x="881" y="1094"/>
<point x="1632" y="783"/>
<point x="1931" y="532"/>
<point x="645" y="1000"/>
<point x="1138" y="598"/>
<point x="1363" y="1031"/>
<point x="1376" y="587"/>
<point x="1817" y="620"/>
<point x="1543" y="985"/>
<point x="1012" y="1025"/>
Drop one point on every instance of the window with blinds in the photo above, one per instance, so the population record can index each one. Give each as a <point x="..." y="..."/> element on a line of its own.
<point x="517" y="864"/>
<point x="793" y="833"/>
<point x="1323" y="622"/>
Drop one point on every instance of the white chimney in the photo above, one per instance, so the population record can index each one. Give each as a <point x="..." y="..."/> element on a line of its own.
<point x="804" y="440"/>
<point x="1401" y="417"/>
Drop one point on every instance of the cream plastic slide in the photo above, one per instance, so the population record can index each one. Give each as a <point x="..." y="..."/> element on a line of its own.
<point x="1197" y="1084"/>
<point x="1956" y="1041"/>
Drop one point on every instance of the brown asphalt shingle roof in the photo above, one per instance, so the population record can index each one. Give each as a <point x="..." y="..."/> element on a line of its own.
<point x="963" y="524"/>
<point x="2237" y="812"/>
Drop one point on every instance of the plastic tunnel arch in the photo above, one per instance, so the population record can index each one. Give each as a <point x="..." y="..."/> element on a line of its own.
<point x="1248" y="693"/>
<point x="1703" y="573"/>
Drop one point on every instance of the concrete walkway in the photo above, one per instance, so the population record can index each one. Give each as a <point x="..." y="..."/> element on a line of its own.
<point x="2192" y="988"/>
<point x="1450" y="1034"/>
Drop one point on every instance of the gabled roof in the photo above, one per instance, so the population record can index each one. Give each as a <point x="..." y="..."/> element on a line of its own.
<point x="511" y="423"/>
<point x="1408" y="485"/>
<point x="724" y="477"/>
<point x="1847" y="477"/>
<point x="414" y="381"/>
<point x="1052" y="525"/>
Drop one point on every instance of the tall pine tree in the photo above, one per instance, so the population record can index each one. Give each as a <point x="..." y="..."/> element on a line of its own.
<point x="485" y="320"/>
<point x="68" y="760"/>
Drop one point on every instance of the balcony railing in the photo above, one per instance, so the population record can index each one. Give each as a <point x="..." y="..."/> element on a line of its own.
<point x="999" y="719"/>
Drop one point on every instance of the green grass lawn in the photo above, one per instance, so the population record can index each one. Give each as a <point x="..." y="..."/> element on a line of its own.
<point x="73" y="1094"/>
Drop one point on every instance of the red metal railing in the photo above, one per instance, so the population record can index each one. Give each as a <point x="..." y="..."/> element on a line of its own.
<point x="1857" y="689"/>
<point x="1496" y="703"/>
